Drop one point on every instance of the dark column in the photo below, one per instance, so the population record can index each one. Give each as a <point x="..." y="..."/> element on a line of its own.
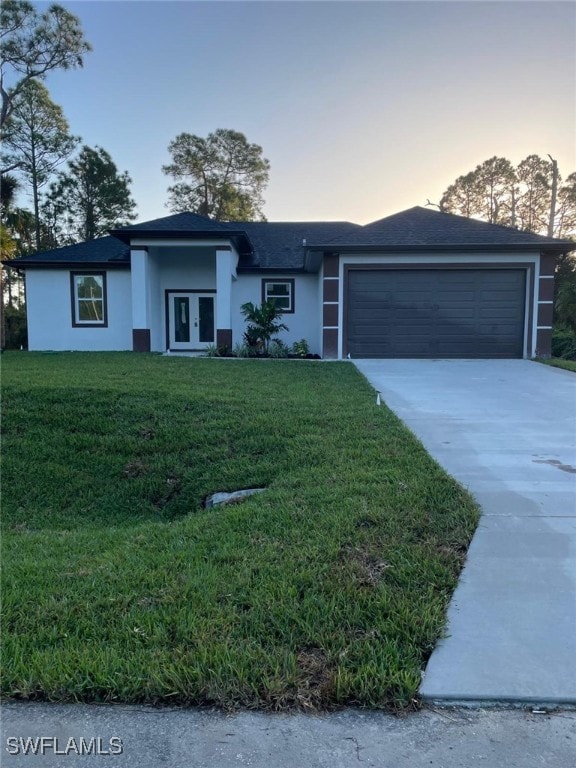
<point x="224" y="337"/>
<point x="141" y="340"/>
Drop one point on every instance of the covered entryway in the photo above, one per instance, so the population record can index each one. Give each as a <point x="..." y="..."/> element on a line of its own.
<point x="435" y="313"/>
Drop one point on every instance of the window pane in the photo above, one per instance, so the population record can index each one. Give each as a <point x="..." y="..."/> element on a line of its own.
<point x="89" y="286"/>
<point x="282" y="302"/>
<point x="90" y="311"/>
<point x="278" y="289"/>
<point x="280" y="293"/>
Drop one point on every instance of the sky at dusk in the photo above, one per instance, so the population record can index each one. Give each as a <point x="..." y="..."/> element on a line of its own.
<point x="362" y="108"/>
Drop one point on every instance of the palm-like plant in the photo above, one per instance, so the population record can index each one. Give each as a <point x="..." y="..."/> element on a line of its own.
<point x="262" y="323"/>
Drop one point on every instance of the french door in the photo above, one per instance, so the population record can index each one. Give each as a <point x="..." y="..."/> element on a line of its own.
<point x="191" y="320"/>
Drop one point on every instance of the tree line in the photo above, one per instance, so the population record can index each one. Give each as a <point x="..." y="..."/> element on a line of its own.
<point x="76" y="191"/>
<point x="36" y="138"/>
<point x="222" y="176"/>
<point x="531" y="196"/>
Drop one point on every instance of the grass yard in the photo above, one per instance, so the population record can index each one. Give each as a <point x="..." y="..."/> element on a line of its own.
<point x="328" y="589"/>
<point x="558" y="362"/>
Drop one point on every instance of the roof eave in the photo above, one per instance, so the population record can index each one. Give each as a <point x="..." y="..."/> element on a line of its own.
<point x="157" y="234"/>
<point x="67" y="264"/>
<point x="271" y="270"/>
<point x="552" y="248"/>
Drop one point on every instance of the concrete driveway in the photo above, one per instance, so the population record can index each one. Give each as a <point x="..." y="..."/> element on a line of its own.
<point x="506" y="429"/>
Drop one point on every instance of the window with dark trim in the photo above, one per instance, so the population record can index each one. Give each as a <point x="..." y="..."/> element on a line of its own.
<point x="88" y="295"/>
<point x="281" y="292"/>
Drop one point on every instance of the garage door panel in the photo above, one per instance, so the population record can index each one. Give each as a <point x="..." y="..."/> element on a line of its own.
<point x="410" y="313"/>
<point x="497" y="313"/>
<point x="458" y="313"/>
<point x="407" y="296"/>
<point x="506" y="330"/>
<point x="505" y="296"/>
<point x="436" y="313"/>
<point x="409" y="332"/>
<point x="463" y="296"/>
<point x="377" y="314"/>
<point x="374" y="297"/>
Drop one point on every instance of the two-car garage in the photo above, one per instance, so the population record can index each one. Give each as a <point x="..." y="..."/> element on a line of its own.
<point x="405" y="312"/>
<point x="424" y="283"/>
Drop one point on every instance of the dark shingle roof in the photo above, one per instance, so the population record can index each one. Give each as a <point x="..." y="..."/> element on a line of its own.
<point x="261" y="244"/>
<point x="266" y="245"/>
<point x="178" y="223"/>
<point x="426" y="229"/>
<point x="103" y="250"/>
<point x="282" y="245"/>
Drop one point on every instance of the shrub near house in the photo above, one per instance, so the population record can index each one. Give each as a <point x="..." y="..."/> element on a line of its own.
<point x="263" y="324"/>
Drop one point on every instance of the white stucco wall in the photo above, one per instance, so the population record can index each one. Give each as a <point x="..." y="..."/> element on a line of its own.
<point x="185" y="268"/>
<point x="49" y="309"/>
<point x="302" y="324"/>
<point x="157" y="343"/>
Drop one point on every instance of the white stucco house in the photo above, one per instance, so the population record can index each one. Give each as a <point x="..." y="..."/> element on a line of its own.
<point x="420" y="283"/>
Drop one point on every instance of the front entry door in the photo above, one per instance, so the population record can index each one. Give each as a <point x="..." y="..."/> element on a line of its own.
<point x="191" y="320"/>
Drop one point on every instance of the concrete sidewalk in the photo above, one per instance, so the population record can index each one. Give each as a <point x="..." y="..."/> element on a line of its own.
<point x="506" y="429"/>
<point x="151" y="738"/>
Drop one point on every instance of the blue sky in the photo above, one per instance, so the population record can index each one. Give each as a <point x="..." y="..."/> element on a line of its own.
<point x="362" y="108"/>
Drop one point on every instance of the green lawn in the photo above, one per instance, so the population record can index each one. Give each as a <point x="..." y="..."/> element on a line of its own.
<point x="329" y="588"/>
<point x="558" y="362"/>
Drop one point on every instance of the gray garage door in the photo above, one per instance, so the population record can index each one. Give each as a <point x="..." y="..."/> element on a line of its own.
<point x="435" y="313"/>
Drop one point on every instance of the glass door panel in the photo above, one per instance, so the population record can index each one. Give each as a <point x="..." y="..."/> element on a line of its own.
<point x="206" y="319"/>
<point x="191" y="320"/>
<point x="181" y="319"/>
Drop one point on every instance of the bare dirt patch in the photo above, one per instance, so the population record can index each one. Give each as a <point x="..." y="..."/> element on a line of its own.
<point x="135" y="469"/>
<point x="368" y="569"/>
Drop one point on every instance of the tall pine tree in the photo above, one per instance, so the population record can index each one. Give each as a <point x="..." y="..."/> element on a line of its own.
<point x="89" y="198"/>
